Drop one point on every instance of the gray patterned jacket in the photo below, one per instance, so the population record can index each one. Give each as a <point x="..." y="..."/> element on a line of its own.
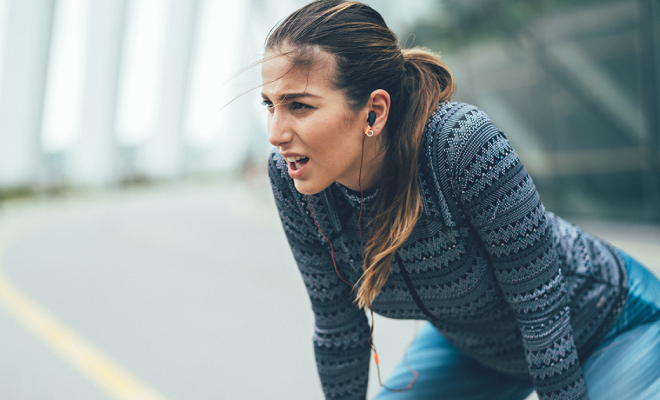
<point x="519" y="289"/>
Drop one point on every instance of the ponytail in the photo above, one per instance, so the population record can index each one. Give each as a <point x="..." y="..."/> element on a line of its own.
<point x="426" y="82"/>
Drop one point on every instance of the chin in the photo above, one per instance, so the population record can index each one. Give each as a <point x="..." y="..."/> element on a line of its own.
<point x="308" y="188"/>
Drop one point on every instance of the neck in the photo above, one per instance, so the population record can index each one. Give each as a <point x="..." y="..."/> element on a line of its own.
<point x="371" y="164"/>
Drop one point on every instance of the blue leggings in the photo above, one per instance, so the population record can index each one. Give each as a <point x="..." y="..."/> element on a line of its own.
<point x="626" y="364"/>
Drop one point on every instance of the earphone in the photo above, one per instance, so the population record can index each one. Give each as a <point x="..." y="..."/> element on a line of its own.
<point x="372" y="118"/>
<point x="370" y="122"/>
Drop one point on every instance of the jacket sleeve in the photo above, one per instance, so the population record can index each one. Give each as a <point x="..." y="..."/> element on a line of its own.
<point x="341" y="330"/>
<point x="502" y="205"/>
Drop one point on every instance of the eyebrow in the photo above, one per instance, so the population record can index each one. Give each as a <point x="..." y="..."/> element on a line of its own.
<point x="292" y="96"/>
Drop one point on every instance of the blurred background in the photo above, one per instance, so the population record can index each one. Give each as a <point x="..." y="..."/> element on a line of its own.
<point x="102" y="94"/>
<point x="133" y="183"/>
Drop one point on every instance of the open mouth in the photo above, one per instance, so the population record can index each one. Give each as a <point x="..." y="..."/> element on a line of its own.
<point x="296" y="163"/>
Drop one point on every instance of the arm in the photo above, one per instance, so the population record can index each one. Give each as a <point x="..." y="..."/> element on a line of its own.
<point x="341" y="330"/>
<point x="502" y="205"/>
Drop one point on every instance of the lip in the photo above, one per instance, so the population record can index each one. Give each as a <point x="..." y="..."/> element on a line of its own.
<point x="291" y="154"/>
<point x="298" y="173"/>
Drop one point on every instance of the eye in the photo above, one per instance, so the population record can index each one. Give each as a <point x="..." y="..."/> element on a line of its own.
<point x="268" y="104"/>
<point x="299" y="106"/>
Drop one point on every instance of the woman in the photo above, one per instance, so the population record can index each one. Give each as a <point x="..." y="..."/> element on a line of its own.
<point x="396" y="200"/>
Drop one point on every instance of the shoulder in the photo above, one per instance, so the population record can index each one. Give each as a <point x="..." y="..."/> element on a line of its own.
<point x="457" y="122"/>
<point x="452" y="130"/>
<point x="456" y="131"/>
<point x="463" y="145"/>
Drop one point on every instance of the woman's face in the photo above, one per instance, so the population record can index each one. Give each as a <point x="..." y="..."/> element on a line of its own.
<point x="311" y="124"/>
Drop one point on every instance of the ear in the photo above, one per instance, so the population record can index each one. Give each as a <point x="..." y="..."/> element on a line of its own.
<point x="379" y="102"/>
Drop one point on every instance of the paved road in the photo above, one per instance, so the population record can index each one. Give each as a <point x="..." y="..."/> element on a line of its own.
<point x="186" y="292"/>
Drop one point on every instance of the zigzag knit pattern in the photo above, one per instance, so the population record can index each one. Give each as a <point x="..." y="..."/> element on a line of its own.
<point x="516" y="287"/>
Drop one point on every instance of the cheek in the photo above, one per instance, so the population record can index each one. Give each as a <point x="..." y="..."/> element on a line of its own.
<point x="330" y="144"/>
<point x="331" y="138"/>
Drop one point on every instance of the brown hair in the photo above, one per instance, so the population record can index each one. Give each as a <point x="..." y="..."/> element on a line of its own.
<point x="367" y="58"/>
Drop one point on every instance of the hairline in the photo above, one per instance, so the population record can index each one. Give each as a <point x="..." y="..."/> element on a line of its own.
<point x="308" y="56"/>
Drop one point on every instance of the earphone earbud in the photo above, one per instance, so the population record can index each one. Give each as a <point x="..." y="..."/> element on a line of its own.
<point x="371" y="118"/>
<point x="370" y="121"/>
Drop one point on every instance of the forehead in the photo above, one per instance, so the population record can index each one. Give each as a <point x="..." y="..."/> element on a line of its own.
<point x="282" y="75"/>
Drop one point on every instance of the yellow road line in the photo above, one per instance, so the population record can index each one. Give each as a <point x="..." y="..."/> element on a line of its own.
<point x="87" y="359"/>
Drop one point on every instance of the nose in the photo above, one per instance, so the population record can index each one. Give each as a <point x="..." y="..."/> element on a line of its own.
<point x="279" y="131"/>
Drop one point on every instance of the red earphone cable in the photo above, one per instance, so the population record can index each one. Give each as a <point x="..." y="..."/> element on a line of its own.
<point x="332" y="252"/>
<point x="361" y="197"/>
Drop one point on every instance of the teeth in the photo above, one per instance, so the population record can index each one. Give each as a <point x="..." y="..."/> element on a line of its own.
<point x="294" y="159"/>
